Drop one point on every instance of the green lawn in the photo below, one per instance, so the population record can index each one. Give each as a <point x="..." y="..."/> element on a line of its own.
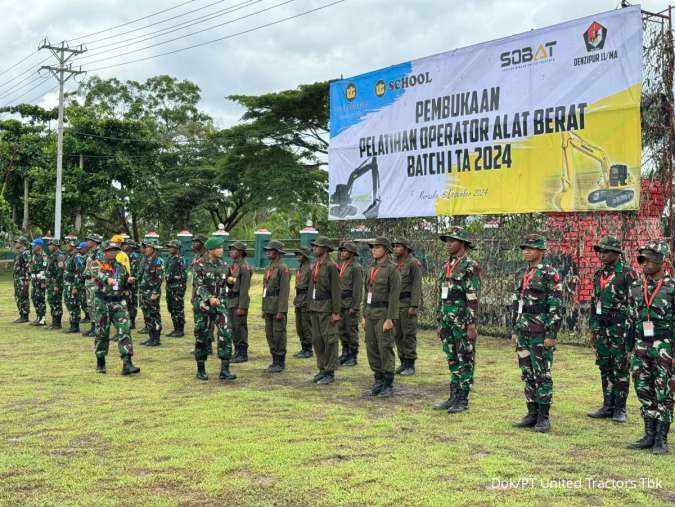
<point x="69" y="436"/>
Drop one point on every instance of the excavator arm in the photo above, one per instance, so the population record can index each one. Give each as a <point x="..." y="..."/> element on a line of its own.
<point x="342" y="197"/>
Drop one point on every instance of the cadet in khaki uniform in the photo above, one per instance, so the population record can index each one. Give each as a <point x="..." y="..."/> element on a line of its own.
<point x="303" y="321"/>
<point x="324" y="309"/>
<point x="351" y="281"/>
<point x="380" y="312"/>
<point x="238" y="300"/>
<point x="276" y="287"/>
<point x="410" y="300"/>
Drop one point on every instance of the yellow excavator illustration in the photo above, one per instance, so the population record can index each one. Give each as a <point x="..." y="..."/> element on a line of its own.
<point x="616" y="185"/>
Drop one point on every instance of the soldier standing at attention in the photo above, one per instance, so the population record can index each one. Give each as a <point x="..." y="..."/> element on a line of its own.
<point x="351" y="282"/>
<point x="537" y="315"/>
<point x="303" y="320"/>
<point x="73" y="284"/>
<point x="198" y="251"/>
<point x="276" y="288"/>
<point x="141" y="268"/>
<point x="83" y="249"/>
<point x="111" y="308"/>
<point x="609" y="325"/>
<point x="176" y="284"/>
<point x="380" y="312"/>
<point x="238" y="299"/>
<point x="652" y="314"/>
<point x="411" y="299"/>
<point x="324" y="309"/>
<point x="55" y="267"/>
<point x="458" y="292"/>
<point x="210" y="271"/>
<point x="94" y="254"/>
<point x="131" y="249"/>
<point x="150" y="287"/>
<point x="38" y="276"/>
<point x="21" y="275"/>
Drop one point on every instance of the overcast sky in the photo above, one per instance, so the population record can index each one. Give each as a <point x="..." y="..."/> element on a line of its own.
<point x="346" y="39"/>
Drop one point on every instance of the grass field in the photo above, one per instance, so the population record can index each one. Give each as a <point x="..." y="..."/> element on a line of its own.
<point x="69" y="436"/>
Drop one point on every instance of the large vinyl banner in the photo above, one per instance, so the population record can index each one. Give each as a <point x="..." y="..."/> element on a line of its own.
<point x="548" y="120"/>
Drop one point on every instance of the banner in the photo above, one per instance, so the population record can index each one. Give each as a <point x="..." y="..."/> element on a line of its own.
<point x="548" y="120"/>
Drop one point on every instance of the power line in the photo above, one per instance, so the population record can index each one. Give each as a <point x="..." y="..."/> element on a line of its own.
<point x="29" y="78"/>
<point x="28" y="70"/>
<point x="27" y="91"/>
<point x="219" y="39"/>
<point x="18" y="63"/>
<point x="42" y="94"/>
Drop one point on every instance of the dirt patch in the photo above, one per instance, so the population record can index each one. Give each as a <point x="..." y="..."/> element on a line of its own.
<point x="668" y="495"/>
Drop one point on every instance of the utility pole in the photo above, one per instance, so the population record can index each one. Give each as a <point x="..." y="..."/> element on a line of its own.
<point x="62" y="72"/>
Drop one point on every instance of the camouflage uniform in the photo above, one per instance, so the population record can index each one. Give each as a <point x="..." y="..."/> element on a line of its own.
<point x="38" y="275"/>
<point x="198" y="255"/>
<point x="351" y="281"/>
<point x="303" y="320"/>
<point x="93" y="255"/>
<point x="458" y="291"/>
<point x="537" y="316"/>
<point x="609" y="325"/>
<point x="21" y="275"/>
<point x="150" y="288"/>
<point x="238" y="299"/>
<point x="176" y="284"/>
<point x="132" y="290"/>
<point x="55" y="267"/>
<point x="211" y="277"/>
<point x="73" y="286"/>
<point x="276" y="288"/>
<point x="652" y="316"/>
<point x="142" y="260"/>
<point x="411" y="297"/>
<point x="111" y="309"/>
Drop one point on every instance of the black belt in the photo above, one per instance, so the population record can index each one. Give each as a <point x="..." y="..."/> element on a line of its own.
<point x="612" y="317"/>
<point x="109" y="299"/>
<point x="534" y="309"/>
<point x="321" y="297"/>
<point x="347" y="294"/>
<point x="300" y="291"/>
<point x="379" y="304"/>
<point x="455" y="294"/>
<point x="658" y="335"/>
<point x="405" y="295"/>
<point x="232" y="294"/>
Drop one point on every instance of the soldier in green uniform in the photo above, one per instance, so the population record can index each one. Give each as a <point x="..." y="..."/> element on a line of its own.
<point x="55" y="267"/>
<point x="141" y="267"/>
<point x="537" y="316"/>
<point x="411" y="299"/>
<point x="609" y="325"/>
<point x="276" y="288"/>
<point x="303" y="320"/>
<point x="652" y="318"/>
<point x="150" y="287"/>
<point x="198" y="252"/>
<point x="351" y="282"/>
<point x="110" y="278"/>
<point x="38" y="276"/>
<point x="73" y="285"/>
<point x="238" y="300"/>
<point x="130" y="247"/>
<point x="380" y="313"/>
<point x="21" y="276"/>
<point x="93" y="254"/>
<point x="324" y="309"/>
<point x="458" y="292"/>
<point x="176" y="285"/>
<point x="83" y="249"/>
<point x="210" y="272"/>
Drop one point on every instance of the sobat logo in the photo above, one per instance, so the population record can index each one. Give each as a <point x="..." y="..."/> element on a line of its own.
<point x="595" y="37"/>
<point x="350" y="92"/>
<point x="380" y="88"/>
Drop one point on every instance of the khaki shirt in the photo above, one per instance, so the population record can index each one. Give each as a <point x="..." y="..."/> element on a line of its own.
<point x="324" y="287"/>
<point x="276" y="287"/>
<point x="411" y="281"/>
<point x="383" y="283"/>
<point x="351" y="280"/>
<point x="238" y="292"/>
<point x="302" y="275"/>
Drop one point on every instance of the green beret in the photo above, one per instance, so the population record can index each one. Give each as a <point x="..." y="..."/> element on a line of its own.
<point x="214" y="243"/>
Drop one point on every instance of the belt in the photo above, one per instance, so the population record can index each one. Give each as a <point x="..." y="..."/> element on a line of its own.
<point x="455" y="294"/>
<point x="379" y="304"/>
<point x="612" y="316"/>
<point x="109" y="299"/>
<point x="321" y="297"/>
<point x="534" y="309"/>
<point x="347" y="294"/>
<point x="232" y="294"/>
<point x="271" y="293"/>
<point x="405" y="295"/>
<point x="300" y="291"/>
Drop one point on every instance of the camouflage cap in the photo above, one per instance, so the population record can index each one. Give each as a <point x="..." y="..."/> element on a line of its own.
<point x="609" y="243"/>
<point x="96" y="238"/>
<point x="214" y="243"/>
<point x="380" y="241"/>
<point x="403" y="242"/>
<point x="534" y="241"/>
<point x="324" y="242"/>
<point x="174" y="243"/>
<point x="459" y="233"/>
<point x="54" y="241"/>
<point x="304" y="251"/>
<point x="22" y="240"/>
<point x="654" y="251"/>
<point x="201" y="238"/>
<point x="73" y="242"/>
<point x="151" y="242"/>
<point x="239" y="245"/>
<point x="110" y="245"/>
<point x="131" y="243"/>
<point x="275" y="245"/>
<point x="350" y="247"/>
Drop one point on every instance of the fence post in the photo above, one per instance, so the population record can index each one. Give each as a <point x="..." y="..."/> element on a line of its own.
<point x="185" y="238"/>
<point x="222" y="233"/>
<point x="262" y="237"/>
<point x="307" y="236"/>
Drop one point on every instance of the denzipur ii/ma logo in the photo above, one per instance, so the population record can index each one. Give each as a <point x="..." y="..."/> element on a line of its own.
<point x="380" y="88"/>
<point x="350" y="92"/>
<point x="595" y="37"/>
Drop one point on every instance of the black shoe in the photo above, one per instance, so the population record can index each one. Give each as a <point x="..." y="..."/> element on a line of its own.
<point x="351" y="360"/>
<point x="179" y="333"/>
<point x="409" y="369"/>
<point x="345" y="354"/>
<point x="328" y="378"/>
<point x="607" y="409"/>
<point x="619" y="412"/>
<point x="154" y="339"/>
<point x="74" y="328"/>
<point x="56" y="323"/>
<point x="543" y="423"/>
<point x="402" y="366"/>
<point x="303" y="354"/>
<point x="225" y="371"/>
<point x="387" y="386"/>
<point x="127" y="367"/>
<point x="40" y="321"/>
<point x="378" y="385"/>
<point x="318" y="376"/>
<point x="201" y="371"/>
<point x="647" y="441"/>
<point x="275" y="367"/>
<point x="445" y="405"/>
<point x="461" y="402"/>
<point x="241" y="356"/>
<point x="91" y="332"/>
<point x="530" y="419"/>
<point x="100" y="364"/>
<point x="661" y="438"/>
<point x="21" y="320"/>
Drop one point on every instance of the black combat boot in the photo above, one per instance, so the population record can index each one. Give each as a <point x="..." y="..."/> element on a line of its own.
<point x="304" y="353"/>
<point x="201" y="371"/>
<point x="282" y="361"/>
<point x="607" y="409"/>
<point x="402" y="366"/>
<point x="154" y="339"/>
<point x="91" y="332"/>
<point x="275" y="367"/>
<point x="646" y="442"/>
<point x="530" y="419"/>
<point x="661" y="438"/>
<point x="445" y="405"/>
<point x="56" y="323"/>
<point x="409" y="369"/>
<point x="74" y="328"/>
<point x="100" y="364"/>
<point x="619" y="412"/>
<point x="318" y="376"/>
<point x="543" y="424"/>
<point x="86" y="319"/>
<point x="351" y="359"/>
<point x="179" y="332"/>
<point x="461" y="402"/>
<point x="23" y="318"/>
<point x="39" y="321"/>
<point x="387" y="386"/>
<point x="127" y="367"/>
<point x="328" y="378"/>
<point x="378" y="385"/>
<point x="242" y="354"/>
<point x="225" y="371"/>
<point x="345" y="353"/>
